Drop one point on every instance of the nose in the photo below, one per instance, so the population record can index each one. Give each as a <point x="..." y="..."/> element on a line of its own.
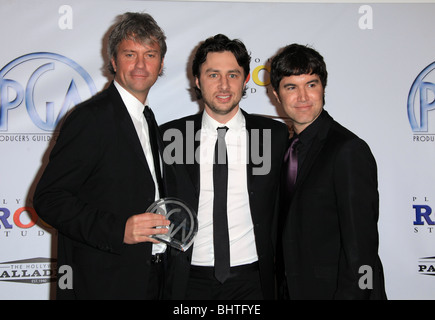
<point x="140" y="62"/>
<point x="302" y="96"/>
<point x="224" y="83"/>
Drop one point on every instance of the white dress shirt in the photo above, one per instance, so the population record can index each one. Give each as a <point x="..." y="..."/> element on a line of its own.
<point x="135" y="108"/>
<point x="241" y="232"/>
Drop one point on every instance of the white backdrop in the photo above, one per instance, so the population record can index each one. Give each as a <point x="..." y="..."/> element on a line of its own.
<point x="53" y="56"/>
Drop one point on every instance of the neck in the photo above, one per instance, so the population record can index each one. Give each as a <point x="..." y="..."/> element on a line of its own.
<point x="220" y="117"/>
<point x="139" y="95"/>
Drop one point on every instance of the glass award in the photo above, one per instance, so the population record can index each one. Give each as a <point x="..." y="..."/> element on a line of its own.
<point x="184" y="224"/>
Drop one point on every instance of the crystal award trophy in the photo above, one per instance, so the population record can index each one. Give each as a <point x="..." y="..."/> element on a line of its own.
<point x="184" y="224"/>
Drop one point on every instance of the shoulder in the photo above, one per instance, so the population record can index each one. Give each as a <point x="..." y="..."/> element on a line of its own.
<point x="348" y="142"/>
<point x="341" y="133"/>
<point x="101" y="102"/>
<point x="254" y="121"/>
<point x="181" y="122"/>
<point x="334" y="132"/>
<point x="92" y="103"/>
<point x="99" y="110"/>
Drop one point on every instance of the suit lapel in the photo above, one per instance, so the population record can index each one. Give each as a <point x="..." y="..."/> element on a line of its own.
<point x="126" y="124"/>
<point x="253" y="180"/>
<point x="193" y="168"/>
<point x="249" y="165"/>
<point x="313" y="152"/>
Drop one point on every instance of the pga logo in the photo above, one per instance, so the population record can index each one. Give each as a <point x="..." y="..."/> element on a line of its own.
<point x="421" y="99"/>
<point x="41" y="87"/>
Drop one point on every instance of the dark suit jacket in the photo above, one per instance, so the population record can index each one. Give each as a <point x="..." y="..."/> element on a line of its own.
<point x="263" y="190"/>
<point x="98" y="177"/>
<point x="330" y="230"/>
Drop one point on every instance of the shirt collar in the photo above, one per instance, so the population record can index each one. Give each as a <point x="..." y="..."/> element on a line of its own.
<point x="134" y="106"/>
<point x="306" y="136"/>
<point x="235" y="124"/>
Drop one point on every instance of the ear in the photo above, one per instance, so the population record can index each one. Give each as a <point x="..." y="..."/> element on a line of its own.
<point x="276" y="96"/>
<point x="197" y="83"/>
<point x="112" y="61"/>
<point x="162" y="64"/>
<point x="246" y="80"/>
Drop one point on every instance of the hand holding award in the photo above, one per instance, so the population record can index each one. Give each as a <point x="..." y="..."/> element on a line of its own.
<point x="184" y="224"/>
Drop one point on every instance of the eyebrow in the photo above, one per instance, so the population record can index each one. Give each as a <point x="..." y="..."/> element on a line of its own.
<point x="133" y="50"/>
<point x="217" y="70"/>
<point x="308" y="82"/>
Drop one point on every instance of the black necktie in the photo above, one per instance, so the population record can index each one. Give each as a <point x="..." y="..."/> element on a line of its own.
<point x="152" y="129"/>
<point x="220" y="221"/>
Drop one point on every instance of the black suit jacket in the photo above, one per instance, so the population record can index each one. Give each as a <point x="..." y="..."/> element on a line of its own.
<point x="98" y="177"/>
<point x="330" y="230"/>
<point x="262" y="189"/>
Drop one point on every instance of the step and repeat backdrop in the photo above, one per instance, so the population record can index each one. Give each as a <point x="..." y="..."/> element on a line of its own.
<point x="381" y="63"/>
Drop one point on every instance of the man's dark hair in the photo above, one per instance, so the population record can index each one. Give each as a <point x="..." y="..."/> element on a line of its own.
<point x="221" y="43"/>
<point x="295" y="60"/>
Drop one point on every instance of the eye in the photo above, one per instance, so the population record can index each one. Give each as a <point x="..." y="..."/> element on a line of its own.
<point x="313" y="84"/>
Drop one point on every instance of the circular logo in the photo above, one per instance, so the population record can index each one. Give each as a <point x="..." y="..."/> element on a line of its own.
<point x="47" y="83"/>
<point x="421" y="99"/>
<point x="184" y="223"/>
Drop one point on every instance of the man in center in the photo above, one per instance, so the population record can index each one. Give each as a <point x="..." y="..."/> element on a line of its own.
<point x="232" y="184"/>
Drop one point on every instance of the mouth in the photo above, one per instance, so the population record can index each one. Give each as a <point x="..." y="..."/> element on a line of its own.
<point x="223" y="97"/>
<point x="303" y="106"/>
<point x="139" y="75"/>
